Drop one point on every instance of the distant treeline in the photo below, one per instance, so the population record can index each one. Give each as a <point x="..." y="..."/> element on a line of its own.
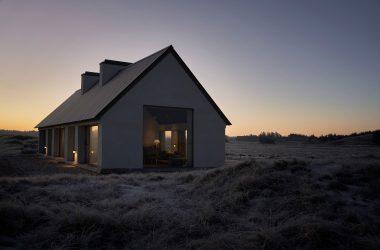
<point x="273" y="137"/>
<point x="18" y="132"/>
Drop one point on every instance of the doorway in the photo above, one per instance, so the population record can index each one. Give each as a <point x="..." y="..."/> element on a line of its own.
<point x="92" y="145"/>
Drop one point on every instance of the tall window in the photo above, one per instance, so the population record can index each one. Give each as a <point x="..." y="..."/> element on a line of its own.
<point x="92" y="145"/>
<point x="167" y="137"/>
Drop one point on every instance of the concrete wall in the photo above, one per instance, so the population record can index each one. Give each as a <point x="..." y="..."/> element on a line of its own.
<point x="55" y="145"/>
<point x="166" y="85"/>
<point x="69" y="143"/>
<point x="49" y="141"/>
<point x="80" y="144"/>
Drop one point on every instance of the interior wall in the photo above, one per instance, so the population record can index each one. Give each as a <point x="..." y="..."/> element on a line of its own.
<point x="150" y="129"/>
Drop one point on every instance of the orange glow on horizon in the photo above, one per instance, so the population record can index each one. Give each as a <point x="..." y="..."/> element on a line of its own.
<point x="266" y="69"/>
<point x="231" y="131"/>
<point x="19" y="123"/>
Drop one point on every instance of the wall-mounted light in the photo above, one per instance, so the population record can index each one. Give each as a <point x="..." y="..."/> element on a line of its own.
<point x="74" y="151"/>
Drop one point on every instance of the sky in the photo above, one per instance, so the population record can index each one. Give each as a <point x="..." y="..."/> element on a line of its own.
<point x="291" y="66"/>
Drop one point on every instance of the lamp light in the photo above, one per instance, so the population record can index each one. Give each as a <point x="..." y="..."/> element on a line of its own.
<point x="156" y="142"/>
<point x="75" y="156"/>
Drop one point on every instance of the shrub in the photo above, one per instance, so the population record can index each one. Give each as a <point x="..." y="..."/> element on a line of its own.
<point x="266" y="140"/>
<point x="22" y="137"/>
<point x="17" y="219"/>
<point x="15" y="142"/>
<point x="376" y="137"/>
<point x="269" y="137"/>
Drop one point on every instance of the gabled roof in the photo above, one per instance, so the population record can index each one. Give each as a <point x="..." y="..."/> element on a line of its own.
<point x="96" y="101"/>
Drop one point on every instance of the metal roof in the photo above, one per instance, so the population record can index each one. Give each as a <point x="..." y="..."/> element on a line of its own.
<point x="84" y="107"/>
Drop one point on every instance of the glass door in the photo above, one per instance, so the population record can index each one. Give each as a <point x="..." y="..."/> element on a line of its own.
<point x="93" y="145"/>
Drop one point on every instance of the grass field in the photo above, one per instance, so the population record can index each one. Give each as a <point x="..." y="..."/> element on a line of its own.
<point x="283" y="196"/>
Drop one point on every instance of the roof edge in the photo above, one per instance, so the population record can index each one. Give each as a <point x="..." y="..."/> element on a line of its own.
<point x="88" y="73"/>
<point x="169" y="49"/>
<point x="68" y="123"/>
<point x="199" y="85"/>
<point x="113" y="62"/>
<point x="135" y="81"/>
<point x="165" y="52"/>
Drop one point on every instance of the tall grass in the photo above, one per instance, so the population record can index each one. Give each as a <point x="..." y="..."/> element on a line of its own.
<point x="284" y="204"/>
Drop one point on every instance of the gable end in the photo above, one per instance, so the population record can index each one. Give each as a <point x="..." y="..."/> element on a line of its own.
<point x="188" y="72"/>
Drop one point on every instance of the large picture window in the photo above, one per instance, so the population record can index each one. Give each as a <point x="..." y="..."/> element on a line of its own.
<point x="168" y="137"/>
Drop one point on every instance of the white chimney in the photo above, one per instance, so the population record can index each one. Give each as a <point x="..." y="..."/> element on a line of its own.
<point x="109" y="68"/>
<point x="89" y="80"/>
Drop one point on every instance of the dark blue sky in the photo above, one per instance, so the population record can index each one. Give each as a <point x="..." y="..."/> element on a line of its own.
<point x="289" y="66"/>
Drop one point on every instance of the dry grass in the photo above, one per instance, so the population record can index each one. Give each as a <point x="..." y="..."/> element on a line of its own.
<point x="268" y="203"/>
<point x="17" y="143"/>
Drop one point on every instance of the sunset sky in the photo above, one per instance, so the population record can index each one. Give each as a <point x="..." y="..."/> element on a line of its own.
<point x="303" y="66"/>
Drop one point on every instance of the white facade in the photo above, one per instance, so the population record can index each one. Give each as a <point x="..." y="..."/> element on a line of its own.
<point x="120" y="127"/>
<point x="166" y="85"/>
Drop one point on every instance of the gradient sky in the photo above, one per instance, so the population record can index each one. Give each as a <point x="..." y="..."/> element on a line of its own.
<point x="303" y="66"/>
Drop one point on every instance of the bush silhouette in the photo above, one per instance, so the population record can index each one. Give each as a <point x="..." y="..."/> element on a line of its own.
<point x="376" y="137"/>
<point x="269" y="137"/>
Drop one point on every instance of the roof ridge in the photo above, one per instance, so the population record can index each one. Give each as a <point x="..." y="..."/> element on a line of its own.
<point x="139" y="61"/>
<point x="161" y="50"/>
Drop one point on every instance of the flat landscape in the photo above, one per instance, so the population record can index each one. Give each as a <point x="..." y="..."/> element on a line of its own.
<point x="283" y="196"/>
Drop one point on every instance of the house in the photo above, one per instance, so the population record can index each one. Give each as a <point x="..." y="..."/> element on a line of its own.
<point x="147" y="114"/>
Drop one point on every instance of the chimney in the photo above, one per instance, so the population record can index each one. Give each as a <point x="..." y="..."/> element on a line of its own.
<point x="109" y="68"/>
<point x="89" y="80"/>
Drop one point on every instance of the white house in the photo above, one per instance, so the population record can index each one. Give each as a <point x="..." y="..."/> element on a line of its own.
<point x="147" y="114"/>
